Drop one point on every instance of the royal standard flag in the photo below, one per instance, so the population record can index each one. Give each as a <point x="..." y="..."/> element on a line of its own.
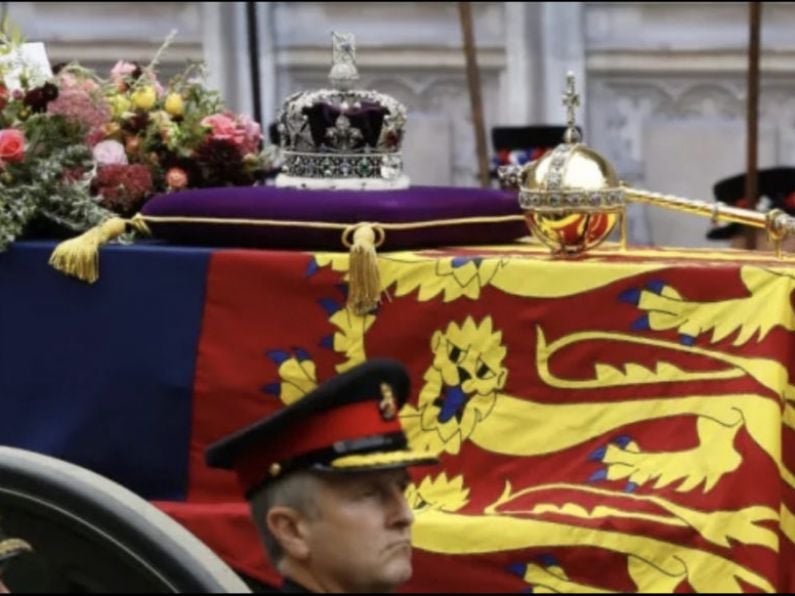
<point x="621" y="422"/>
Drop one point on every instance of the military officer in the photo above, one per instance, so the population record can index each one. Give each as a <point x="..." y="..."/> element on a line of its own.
<point x="325" y="477"/>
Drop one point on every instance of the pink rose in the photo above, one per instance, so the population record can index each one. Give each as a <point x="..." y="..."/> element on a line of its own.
<point x="12" y="145"/>
<point x="249" y="134"/>
<point x="244" y="132"/>
<point x="120" y="72"/>
<point x="122" y="69"/>
<point x="221" y="126"/>
<point x="109" y="153"/>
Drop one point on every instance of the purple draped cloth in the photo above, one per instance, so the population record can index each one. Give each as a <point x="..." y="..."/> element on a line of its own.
<point x="412" y="205"/>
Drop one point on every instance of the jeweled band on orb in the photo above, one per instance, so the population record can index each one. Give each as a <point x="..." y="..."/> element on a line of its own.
<point x="581" y="200"/>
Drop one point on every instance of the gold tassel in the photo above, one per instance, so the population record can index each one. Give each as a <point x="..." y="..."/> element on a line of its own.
<point x="79" y="257"/>
<point x="364" y="281"/>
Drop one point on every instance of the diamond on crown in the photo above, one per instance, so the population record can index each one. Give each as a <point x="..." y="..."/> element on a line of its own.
<point x="358" y="132"/>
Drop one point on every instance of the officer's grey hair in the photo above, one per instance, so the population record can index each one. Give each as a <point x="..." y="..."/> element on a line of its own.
<point x="296" y="490"/>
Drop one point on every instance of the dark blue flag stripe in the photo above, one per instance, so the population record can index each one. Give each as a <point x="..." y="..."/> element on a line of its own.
<point x="102" y="375"/>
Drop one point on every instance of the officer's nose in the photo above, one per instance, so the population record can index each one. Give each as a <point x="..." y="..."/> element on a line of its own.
<point x="402" y="514"/>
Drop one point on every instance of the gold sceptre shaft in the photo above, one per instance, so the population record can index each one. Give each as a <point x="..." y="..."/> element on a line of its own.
<point x="777" y="223"/>
<point x="561" y="192"/>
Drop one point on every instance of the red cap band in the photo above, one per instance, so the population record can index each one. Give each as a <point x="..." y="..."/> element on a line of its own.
<point x="345" y="423"/>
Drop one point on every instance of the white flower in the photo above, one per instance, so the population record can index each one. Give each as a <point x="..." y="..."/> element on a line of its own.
<point x="109" y="153"/>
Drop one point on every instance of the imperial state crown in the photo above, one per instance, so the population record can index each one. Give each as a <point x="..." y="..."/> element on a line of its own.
<point x="342" y="138"/>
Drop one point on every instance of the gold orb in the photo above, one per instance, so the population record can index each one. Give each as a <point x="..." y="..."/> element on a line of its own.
<point x="571" y="197"/>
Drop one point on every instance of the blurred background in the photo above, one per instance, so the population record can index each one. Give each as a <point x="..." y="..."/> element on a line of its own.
<point x="663" y="84"/>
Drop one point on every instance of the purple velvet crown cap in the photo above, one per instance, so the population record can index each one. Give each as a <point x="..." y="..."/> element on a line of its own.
<point x="367" y="118"/>
<point x="270" y="205"/>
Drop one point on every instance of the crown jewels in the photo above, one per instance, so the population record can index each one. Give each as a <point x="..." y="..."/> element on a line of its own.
<point x="342" y="138"/>
<point x="572" y="197"/>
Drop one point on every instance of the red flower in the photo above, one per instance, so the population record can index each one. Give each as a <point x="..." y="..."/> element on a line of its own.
<point x="38" y="98"/>
<point x="4" y="95"/>
<point x="12" y="145"/>
<point x="123" y="187"/>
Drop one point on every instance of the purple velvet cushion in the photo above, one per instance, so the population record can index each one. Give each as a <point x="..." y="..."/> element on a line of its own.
<point x="412" y="205"/>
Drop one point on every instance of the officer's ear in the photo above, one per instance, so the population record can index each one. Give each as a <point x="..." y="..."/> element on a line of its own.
<point x="289" y="527"/>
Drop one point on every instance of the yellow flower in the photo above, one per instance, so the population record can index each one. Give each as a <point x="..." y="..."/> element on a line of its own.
<point x="174" y="104"/>
<point x="144" y="98"/>
<point x="119" y="104"/>
<point x="160" y="118"/>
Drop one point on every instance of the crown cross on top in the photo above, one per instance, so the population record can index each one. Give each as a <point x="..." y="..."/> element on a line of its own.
<point x="343" y="60"/>
<point x="571" y="99"/>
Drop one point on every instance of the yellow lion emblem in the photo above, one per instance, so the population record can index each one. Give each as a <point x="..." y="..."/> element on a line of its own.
<point x="461" y="385"/>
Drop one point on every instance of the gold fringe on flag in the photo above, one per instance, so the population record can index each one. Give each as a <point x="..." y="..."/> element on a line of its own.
<point x="364" y="280"/>
<point x="79" y="257"/>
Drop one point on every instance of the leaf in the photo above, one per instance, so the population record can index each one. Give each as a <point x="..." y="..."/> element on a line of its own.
<point x="17" y="38"/>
